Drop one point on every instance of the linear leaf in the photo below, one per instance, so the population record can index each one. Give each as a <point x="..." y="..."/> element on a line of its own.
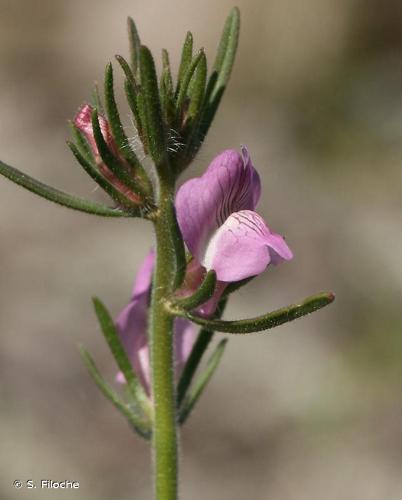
<point x="197" y="352"/>
<point x="141" y="426"/>
<point x="126" y="68"/>
<point x="185" y="82"/>
<point x="57" y="196"/>
<point x="186" y="57"/>
<point x="150" y="107"/>
<point x="113" y="340"/>
<point x="93" y="172"/>
<point x="202" y="381"/>
<point x="135" y="44"/>
<point x="115" y="122"/>
<point x="266" y="321"/>
<point x="196" y="89"/>
<point x="96" y="99"/>
<point x="132" y="99"/>
<point x="226" y="52"/>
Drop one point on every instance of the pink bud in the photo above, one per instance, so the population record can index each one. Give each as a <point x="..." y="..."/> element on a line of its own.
<point x="83" y="121"/>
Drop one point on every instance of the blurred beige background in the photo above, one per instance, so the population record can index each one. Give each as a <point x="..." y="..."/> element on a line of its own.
<point x="311" y="411"/>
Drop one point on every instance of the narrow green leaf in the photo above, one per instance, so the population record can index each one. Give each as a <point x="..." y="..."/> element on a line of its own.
<point x="117" y="127"/>
<point x="219" y="78"/>
<point x="185" y="81"/>
<point x="57" y="196"/>
<point x="96" y="99"/>
<point x="151" y="108"/>
<point x="200" y="346"/>
<point x="235" y="285"/>
<point x="166" y="90"/>
<point x="113" y="164"/>
<point x="186" y="57"/>
<point x="202" y="381"/>
<point x="126" y="69"/>
<point x="226" y="52"/>
<point x="135" y="44"/>
<point x="266" y="321"/>
<point x="93" y="172"/>
<point x="113" y="340"/>
<point x="200" y="296"/>
<point x="166" y="68"/>
<point x="197" y="352"/>
<point x="141" y="426"/>
<point x="196" y="89"/>
<point x="132" y="99"/>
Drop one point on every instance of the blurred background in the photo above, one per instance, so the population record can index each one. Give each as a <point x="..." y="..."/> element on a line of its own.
<point x="312" y="410"/>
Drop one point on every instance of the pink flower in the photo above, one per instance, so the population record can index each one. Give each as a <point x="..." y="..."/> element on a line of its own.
<point x="83" y="121"/>
<point x="218" y="223"/>
<point x="216" y="216"/>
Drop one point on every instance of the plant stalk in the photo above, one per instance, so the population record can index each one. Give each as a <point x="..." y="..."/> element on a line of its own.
<point x="165" y="429"/>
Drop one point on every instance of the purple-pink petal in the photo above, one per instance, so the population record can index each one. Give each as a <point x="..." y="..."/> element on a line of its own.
<point x="143" y="278"/>
<point x="243" y="246"/>
<point x="203" y="204"/>
<point x="132" y="325"/>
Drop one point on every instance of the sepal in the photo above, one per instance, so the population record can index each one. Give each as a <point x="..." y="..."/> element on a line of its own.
<point x="200" y="296"/>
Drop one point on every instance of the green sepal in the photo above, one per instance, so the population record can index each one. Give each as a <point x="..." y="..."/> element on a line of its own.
<point x="200" y="296"/>
<point x="202" y="381"/>
<point x="151" y="113"/>
<point x="186" y="57"/>
<point x="135" y="45"/>
<point x="197" y="352"/>
<point x="266" y="321"/>
<point x="57" y="196"/>
<point x="139" y="424"/>
<point x="94" y="173"/>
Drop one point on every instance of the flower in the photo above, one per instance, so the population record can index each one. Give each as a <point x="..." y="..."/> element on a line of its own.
<point x="83" y="121"/>
<point x="132" y="325"/>
<point x="216" y="216"/>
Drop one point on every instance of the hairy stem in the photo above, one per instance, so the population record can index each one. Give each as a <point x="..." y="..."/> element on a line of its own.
<point x="161" y="340"/>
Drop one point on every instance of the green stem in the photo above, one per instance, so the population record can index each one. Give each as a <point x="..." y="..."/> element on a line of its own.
<point x="161" y="340"/>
